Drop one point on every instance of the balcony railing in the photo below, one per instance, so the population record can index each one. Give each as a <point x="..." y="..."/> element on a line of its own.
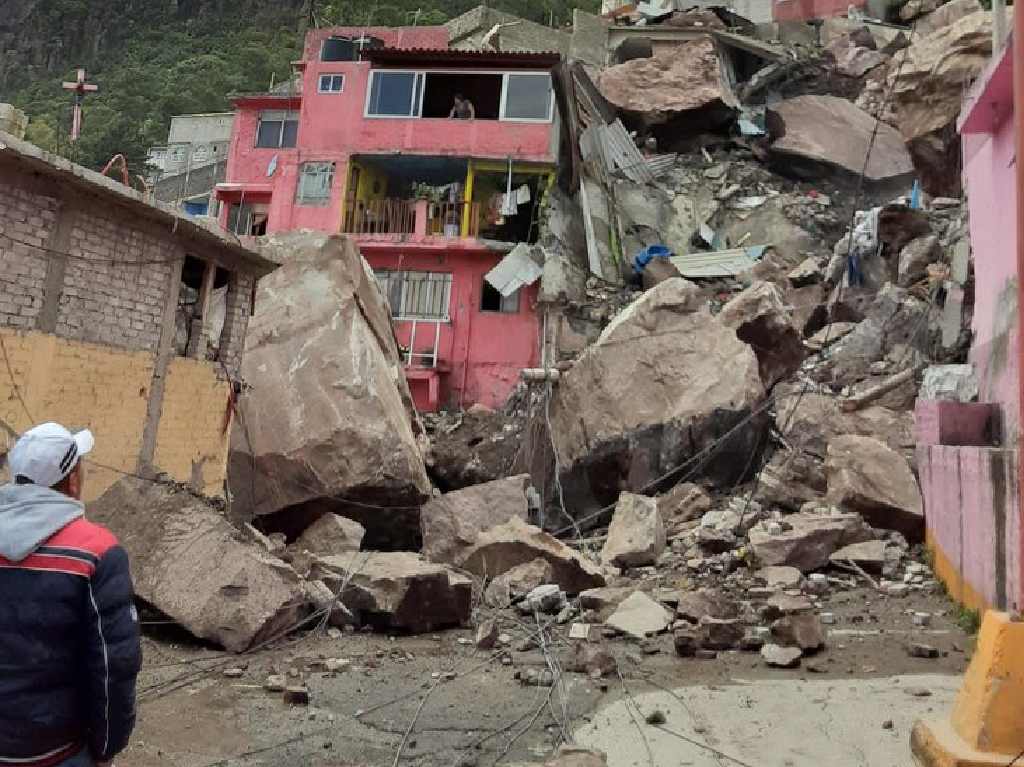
<point x="392" y="216"/>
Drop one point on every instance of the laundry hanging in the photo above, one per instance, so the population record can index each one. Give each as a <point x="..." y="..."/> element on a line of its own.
<point x="509" y="207"/>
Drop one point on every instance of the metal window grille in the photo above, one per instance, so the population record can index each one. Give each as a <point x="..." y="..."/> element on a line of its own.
<point x="417" y="295"/>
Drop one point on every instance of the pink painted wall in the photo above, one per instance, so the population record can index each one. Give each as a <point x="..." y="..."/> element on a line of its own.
<point x="480" y="353"/>
<point x="805" y="10"/>
<point x="971" y="495"/>
<point x="971" y="503"/>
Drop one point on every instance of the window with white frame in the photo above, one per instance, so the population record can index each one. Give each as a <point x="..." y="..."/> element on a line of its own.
<point x="417" y="295"/>
<point x="331" y="83"/>
<point x="527" y="97"/>
<point x="315" y="182"/>
<point x="277" y="129"/>
<point x="394" y="94"/>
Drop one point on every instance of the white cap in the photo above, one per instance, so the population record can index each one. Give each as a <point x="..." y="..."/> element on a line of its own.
<point x="47" y="453"/>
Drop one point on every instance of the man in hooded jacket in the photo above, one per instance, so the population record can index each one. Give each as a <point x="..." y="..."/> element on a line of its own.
<point x="69" y="633"/>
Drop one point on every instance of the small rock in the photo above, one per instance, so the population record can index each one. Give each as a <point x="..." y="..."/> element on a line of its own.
<point x="592" y="660"/>
<point x="487" y="634"/>
<point x="275" y="683"/>
<point x="504" y="639"/>
<point x="532" y="677"/>
<point x="337" y="665"/>
<point x="296" y="696"/>
<point x="234" y="673"/>
<point x="465" y="641"/>
<point x="656" y="717"/>
<point x="827" y="619"/>
<point x="923" y="651"/>
<point x="780" y="576"/>
<point x="897" y="590"/>
<point x="922" y="619"/>
<point x="547" y="598"/>
<point x="720" y="633"/>
<point x="918" y="692"/>
<point x="803" y="631"/>
<point x="782" y="657"/>
<point x="703" y="654"/>
<point x="685" y="641"/>
<point x="817" y="583"/>
<point x="580" y="631"/>
<point x="887" y="724"/>
<point x="751" y="643"/>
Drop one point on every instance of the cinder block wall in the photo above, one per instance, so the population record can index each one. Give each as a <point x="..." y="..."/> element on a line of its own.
<point x="87" y="298"/>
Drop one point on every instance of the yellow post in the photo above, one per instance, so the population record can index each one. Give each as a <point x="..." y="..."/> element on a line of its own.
<point x="467" y="197"/>
<point x="985" y="726"/>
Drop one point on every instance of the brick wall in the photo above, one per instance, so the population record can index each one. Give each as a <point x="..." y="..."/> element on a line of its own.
<point x="236" y="320"/>
<point x="25" y="223"/>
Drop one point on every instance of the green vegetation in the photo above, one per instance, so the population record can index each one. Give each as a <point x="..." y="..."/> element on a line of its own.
<point x="153" y="59"/>
<point x="968" y="620"/>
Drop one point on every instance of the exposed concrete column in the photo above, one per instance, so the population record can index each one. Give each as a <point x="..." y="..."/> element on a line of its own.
<point x="165" y="353"/>
<point x="58" y="245"/>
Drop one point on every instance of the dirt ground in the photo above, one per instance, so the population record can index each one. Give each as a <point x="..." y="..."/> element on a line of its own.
<point x="192" y="715"/>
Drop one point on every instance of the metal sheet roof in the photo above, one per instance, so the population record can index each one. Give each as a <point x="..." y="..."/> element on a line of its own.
<point x="721" y="263"/>
<point x="514" y="271"/>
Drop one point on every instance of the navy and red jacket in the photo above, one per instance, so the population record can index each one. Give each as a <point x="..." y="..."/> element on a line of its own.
<point x="69" y="632"/>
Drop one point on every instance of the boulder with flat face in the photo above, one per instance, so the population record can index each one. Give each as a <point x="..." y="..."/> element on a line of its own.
<point x="331" y="534"/>
<point x="636" y="536"/>
<point x="870" y="478"/>
<point x="328" y="423"/>
<point x="806" y="540"/>
<point x="638" y="616"/>
<point x="650" y="394"/>
<point x="814" y="135"/>
<point x="190" y="563"/>
<point x="515" y="584"/>
<point x="761" y="319"/>
<point x="397" y="589"/>
<point x="451" y="523"/>
<point x="514" y="543"/>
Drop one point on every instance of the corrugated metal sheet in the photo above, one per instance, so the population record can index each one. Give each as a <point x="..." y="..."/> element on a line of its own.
<point x="622" y="153"/>
<point x="722" y="263"/>
<point x="514" y="271"/>
<point x="661" y="163"/>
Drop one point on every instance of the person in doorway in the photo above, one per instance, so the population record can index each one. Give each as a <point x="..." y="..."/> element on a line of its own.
<point x="462" y="109"/>
<point x="69" y="632"/>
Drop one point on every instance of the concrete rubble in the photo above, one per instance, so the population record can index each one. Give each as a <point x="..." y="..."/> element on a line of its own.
<point x="639" y="616"/>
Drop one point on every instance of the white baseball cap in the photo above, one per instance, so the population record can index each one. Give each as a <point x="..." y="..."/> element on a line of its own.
<point x="47" y="453"/>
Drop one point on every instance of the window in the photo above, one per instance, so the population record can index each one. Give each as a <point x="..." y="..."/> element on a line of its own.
<point x="315" y="182"/>
<point x="249" y="219"/>
<point x="331" y="83"/>
<point x="394" y="94"/>
<point x="277" y="129"/>
<point x="347" y="49"/>
<point x="527" y="97"/>
<point x="491" y="300"/>
<point x="417" y="295"/>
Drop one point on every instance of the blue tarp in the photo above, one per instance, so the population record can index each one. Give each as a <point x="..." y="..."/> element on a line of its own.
<point x="644" y="257"/>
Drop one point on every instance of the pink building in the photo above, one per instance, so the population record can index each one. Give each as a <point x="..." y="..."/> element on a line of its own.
<point x="364" y="143"/>
<point x="968" y="454"/>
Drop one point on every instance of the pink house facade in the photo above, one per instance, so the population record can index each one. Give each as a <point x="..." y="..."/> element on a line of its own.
<point x="968" y="453"/>
<point x="363" y="143"/>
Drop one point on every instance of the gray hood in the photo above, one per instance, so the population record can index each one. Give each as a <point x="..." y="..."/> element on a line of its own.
<point x="29" y="515"/>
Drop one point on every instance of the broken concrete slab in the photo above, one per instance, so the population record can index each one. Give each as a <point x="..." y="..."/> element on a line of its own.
<point x="761" y="319"/>
<point x="636" y="535"/>
<point x="782" y="657"/>
<point x="809" y="540"/>
<point x="190" y="563"/>
<point x="304" y="443"/>
<point x="770" y="225"/>
<point x="451" y="523"/>
<point x="815" y="134"/>
<point x="870" y="478"/>
<point x="689" y="212"/>
<point x="331" y="534"/>
<point x="518" y="582"/>
<point x="618" y="426"/>
<point x="803" y="630"/>
<point x="604" y="599"/>
<point x="639" y="616"/>
<point x="398" y="590"/>
<point x="868" y="555"/>
<point x="829" y="335"/>
<point x="685" y="81"/>
<point x="498" y="550"/>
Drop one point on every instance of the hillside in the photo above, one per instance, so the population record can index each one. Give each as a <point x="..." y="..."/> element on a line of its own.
<point x="156" y="58"/>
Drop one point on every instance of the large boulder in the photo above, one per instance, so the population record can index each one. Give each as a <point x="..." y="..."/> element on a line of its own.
<point x="397" y="590"/>
<point x="192" y="565"/>
<point x="451" y="523"/>
<point x="328" y="423"/>
<point x="870" y="478"/>
<point x="650" y="394"/>
<point x="933" y="74"/>
<point x="498" y="550"/>
<point x="636" y="536"/>
<point x="513" y="585"/>
<point x="683" y="84"/>
<point x="791" y="478"/>
<point x="761" y="319"/>
<point x="806" y="540"/>
<point x="817" y="134"/>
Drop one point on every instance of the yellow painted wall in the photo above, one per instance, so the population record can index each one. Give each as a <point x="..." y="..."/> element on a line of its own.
<point x="191" y="432"/>
<point x="106" y="390"/>
<point x="367" y="178"/>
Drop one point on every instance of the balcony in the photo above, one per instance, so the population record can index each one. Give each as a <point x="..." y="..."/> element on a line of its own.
<point x="395" y="218"/>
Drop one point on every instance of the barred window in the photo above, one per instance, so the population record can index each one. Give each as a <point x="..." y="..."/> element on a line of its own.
<point x="315" y="182"/>
<point x="417" y="295"/>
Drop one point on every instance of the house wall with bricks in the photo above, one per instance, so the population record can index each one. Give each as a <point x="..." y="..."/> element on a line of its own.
<point x="967" y="453"/>
<point x="90" y="276"/>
